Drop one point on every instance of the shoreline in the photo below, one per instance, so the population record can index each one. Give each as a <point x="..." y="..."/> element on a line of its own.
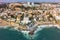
<point x="45" y="24"/>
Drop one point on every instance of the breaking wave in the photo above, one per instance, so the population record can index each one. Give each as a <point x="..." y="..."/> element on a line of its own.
<point x="42" y="33"/>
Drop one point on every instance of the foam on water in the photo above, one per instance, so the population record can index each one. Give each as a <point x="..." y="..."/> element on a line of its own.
<point x="26" y="33"/>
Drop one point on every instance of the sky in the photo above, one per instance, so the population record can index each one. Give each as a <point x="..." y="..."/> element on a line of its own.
<point x="29" y="0"/>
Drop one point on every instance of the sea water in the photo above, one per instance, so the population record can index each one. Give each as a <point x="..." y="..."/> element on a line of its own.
<point x="11" y="34"/>
<point x="46" y="33"/>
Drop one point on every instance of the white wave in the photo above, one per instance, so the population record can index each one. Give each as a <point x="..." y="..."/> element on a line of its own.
<point x="46" y="26"/>
<point x="26" y="34"/>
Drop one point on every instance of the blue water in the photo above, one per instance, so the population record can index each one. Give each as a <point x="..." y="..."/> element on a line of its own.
<point x="8" y="34"/>
<point x="52" y="33"/>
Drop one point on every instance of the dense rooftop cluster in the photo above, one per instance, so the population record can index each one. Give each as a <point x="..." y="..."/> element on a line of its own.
<point x="21" y="16"/>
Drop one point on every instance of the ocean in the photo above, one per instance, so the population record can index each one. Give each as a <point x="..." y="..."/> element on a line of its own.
<point x="52" y="33"/>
